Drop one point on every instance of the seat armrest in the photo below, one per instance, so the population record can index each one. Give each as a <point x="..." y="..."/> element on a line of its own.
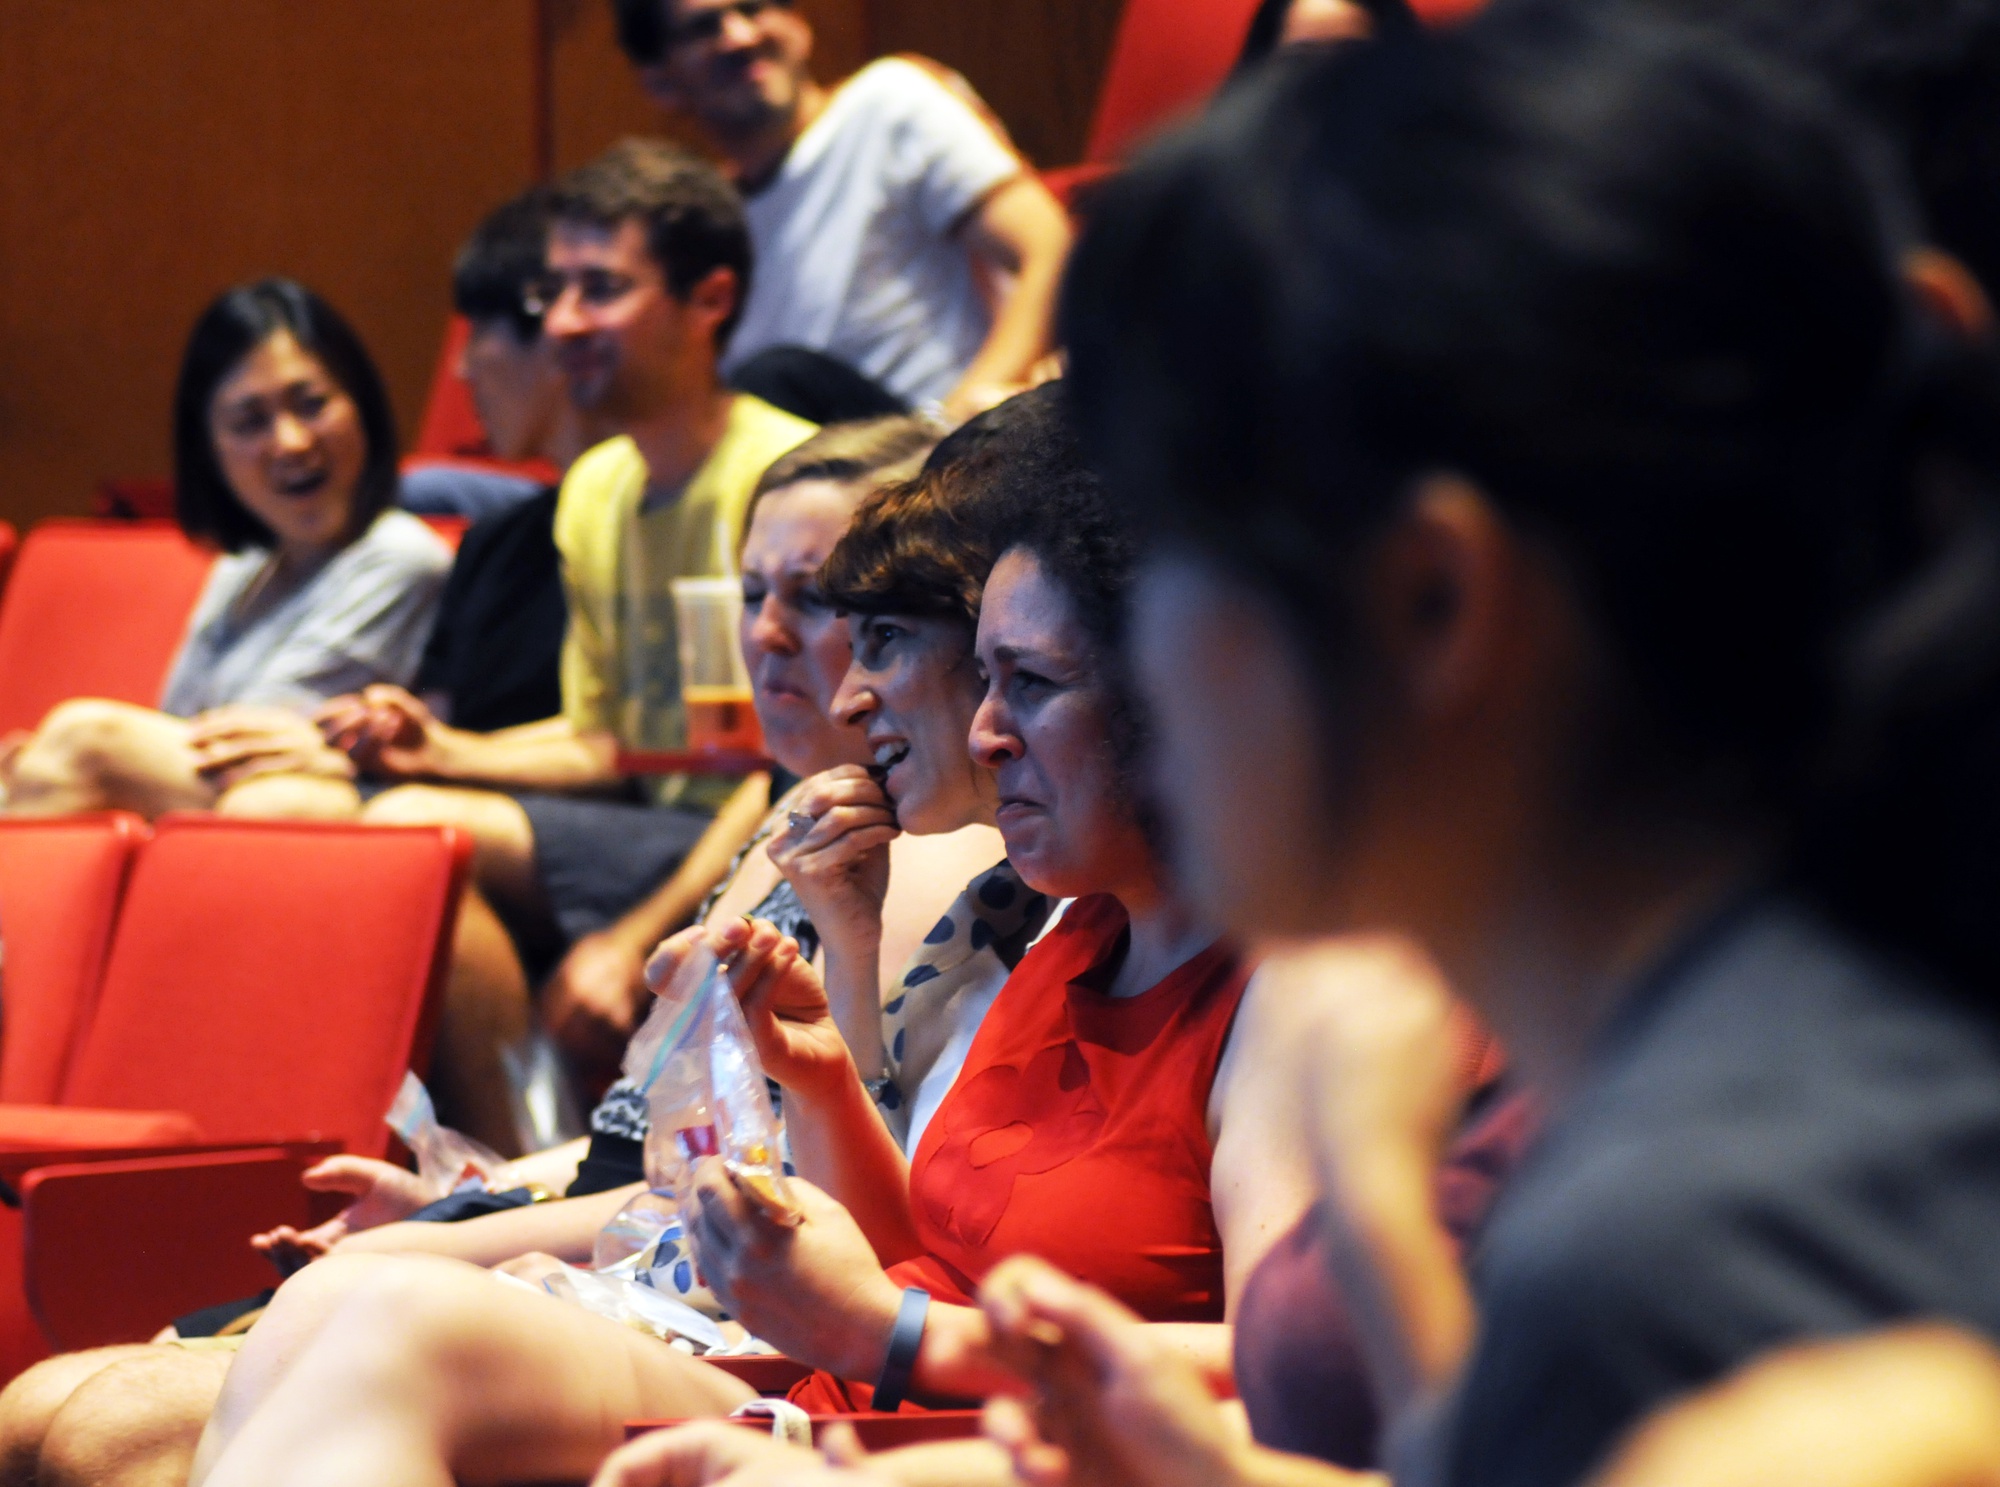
<point x="114" y="1250"/>
<point x="26" y="1128"/>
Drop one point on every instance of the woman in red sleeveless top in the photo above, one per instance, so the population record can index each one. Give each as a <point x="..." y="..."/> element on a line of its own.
<point x="1091" y="1110"/>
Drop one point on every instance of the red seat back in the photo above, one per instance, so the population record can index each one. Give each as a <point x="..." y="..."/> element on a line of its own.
<point x="273" y="979"/>
<point x="10" y="543"/>
<point x="60" y="883"/>
<point x="1169" y="55"/>
<point x="94" y="609"/>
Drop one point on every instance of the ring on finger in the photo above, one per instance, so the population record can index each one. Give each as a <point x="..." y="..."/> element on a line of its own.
<point x="800" y="821"/>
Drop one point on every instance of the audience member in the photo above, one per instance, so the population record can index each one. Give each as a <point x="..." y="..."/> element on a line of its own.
<point x="144" y="1406"/>
<point x="898" y="233"/>
<point x="1120" y="1080"/>
<point x="494" y="656"/>
<point x="646" y="260"/>
<point x="517" y="388"/>
<point x="284" y="457"/>
<point x="1625" y="610"/>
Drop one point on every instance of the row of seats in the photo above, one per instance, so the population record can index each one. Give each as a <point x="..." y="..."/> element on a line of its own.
<point x="97" y="609"/>
<point x="194" y="1012"/>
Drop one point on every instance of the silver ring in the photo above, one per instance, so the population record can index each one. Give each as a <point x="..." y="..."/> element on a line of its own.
<point x="799" y="821"/>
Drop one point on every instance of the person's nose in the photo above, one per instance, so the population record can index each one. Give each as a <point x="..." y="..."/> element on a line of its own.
<point x="854" y="701"/>
<point x="739" y="33"/>
<point x="993" y="740"/>
<point x="564" y="318"/>
<point x="291" y="434"/>
<point x="770" y="630"/>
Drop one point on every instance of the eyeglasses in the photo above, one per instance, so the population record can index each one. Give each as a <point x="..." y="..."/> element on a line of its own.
<point x="706" y="26"/>
<point x="596" y="287"/>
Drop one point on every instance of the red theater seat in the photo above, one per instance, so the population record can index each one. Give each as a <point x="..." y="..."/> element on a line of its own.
<point x="268" y="984"/>
<point x="60" y="885"/>
<point x="94" y="609"/>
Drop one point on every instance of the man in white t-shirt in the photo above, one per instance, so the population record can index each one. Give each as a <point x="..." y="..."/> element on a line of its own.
<point x="896" y="229"/>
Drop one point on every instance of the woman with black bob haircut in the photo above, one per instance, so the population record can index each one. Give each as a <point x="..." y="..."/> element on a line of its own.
<point x="285" y="458"/>
<point x="1571" y="492"/>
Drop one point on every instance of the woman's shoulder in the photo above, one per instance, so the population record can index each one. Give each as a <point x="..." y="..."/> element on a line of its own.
<point x="396" y="539"/>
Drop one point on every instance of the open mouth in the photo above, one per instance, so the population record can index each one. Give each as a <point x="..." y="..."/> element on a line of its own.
<point x="302" y="483"/>
<point x="887" y="757"/>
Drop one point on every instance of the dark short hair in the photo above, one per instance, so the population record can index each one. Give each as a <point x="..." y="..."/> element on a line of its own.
<point x="693" y="217"/>
<point x="925" y="547"/>
<point x="642" y="30"/>
<point x="885" y="451"/>
<point x="1646" y="292"/>
<point x="1924" y="72"/>
<point x="229" y="330"/>
<point x="500" y="263"/>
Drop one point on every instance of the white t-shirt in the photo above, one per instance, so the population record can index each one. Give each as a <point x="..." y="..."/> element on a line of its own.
<point x="362" y="618"/>
<point x="855" y="252"/>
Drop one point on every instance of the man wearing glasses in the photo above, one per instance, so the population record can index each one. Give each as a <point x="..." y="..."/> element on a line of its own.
<point x="647" y="259"/>
<point x="897" y="231"/>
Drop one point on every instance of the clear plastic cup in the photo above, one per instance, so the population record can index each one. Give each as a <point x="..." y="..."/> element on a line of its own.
<point x="715" y="687"/>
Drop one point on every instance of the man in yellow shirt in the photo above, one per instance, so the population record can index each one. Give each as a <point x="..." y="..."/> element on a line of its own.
<point x="648" y="260"/>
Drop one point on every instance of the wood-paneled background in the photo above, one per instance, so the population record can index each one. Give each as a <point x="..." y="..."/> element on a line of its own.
<point x="153" y="152"/>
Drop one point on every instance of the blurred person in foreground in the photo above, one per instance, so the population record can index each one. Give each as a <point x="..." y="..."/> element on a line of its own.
<point x="907" y="256"/>
<point x="1627" y="610"/>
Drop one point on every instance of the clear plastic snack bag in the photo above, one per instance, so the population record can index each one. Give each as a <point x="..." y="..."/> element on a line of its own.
<point x="447" y="1160"/>
<point x="705" y="1096"/>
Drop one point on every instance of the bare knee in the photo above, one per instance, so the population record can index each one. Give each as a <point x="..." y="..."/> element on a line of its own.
<point x="84" y="736"/>
<point x="417" y="805"/>
<point x="134" y="1423"/>
<point x="33" y="1399"/>
<point x="290" y="797"/>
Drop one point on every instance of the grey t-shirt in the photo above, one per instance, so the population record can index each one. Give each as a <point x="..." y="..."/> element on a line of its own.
<point x="362" y="618"/>
<point x="1784" y="1136"/>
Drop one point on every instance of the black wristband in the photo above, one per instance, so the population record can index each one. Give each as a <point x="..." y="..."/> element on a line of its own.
<point x="904" y="1341"/>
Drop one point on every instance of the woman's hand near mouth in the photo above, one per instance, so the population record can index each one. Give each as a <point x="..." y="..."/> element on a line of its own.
<point x="835" y="854"/>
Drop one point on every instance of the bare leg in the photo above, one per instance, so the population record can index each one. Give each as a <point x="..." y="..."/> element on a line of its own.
<point x="431" y="1372"/>
<point x="135" y="1423"/>
<point x="503" y="842"/>
<point x="485" y="1011"/>
<point x="93" y="755"/>
<point x="32" y="1400"/>
<point x="290" y="797"/>
<point x="487" y="995"/>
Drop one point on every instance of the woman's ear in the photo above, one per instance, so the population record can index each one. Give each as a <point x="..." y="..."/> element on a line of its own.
<point x="1439" y="591"/>
<point x="1948" y="290"/>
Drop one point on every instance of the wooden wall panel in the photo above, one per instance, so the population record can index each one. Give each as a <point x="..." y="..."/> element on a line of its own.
<point x="1037" y="62"/>
<point x="156" y="153"/>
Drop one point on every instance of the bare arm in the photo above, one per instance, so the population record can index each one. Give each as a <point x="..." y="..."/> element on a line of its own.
<point x="393" y="734"/>
<point x="566" y="1228"/>
<point x="597" y="995"/>
<point x="1022" y="231"/>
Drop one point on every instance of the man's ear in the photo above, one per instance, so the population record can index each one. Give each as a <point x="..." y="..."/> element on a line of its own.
<point x="1949" y="291"/>
<point x="714" y="297"/>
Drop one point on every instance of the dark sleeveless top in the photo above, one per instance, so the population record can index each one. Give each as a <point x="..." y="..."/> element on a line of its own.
<point x="1299" y="1369"/>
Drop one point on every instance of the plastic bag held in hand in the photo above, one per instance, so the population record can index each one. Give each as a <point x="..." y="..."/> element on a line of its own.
<point x="447" y="1160"/>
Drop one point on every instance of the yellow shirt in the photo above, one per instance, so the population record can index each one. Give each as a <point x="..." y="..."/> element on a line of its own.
<point x="620" y="553"/>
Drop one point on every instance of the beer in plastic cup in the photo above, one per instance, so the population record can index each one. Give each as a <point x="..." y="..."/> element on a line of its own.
<point x="715" y="687"/>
